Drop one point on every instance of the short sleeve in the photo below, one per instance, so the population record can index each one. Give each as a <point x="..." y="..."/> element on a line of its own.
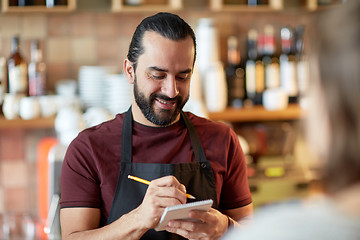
<point x="235" y="190"/>
<point x="79" y="180"/>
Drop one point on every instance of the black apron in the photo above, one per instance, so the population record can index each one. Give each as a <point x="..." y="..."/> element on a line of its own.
<point x="197" y="177"/>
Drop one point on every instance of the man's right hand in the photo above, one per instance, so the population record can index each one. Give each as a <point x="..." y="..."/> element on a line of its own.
<point x="161" y="193"/>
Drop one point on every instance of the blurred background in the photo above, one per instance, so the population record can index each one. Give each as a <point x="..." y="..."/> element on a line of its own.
<point x="61" y="71"/>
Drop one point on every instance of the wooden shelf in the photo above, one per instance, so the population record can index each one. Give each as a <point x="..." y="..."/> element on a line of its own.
<point x="253" y="114"/>
<point x="71" y="6"/>
<point x="272" y="6"/>
<point x="219" y="5"/>
<point x="240" y="8"/>
<point x="171" y="5"/>
<point x="39" y="123"/>
<point x="257" y="114"/>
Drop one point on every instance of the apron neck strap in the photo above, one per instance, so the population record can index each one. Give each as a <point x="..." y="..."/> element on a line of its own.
<point x="195" y="140"/>
<point x="126" y="138"/>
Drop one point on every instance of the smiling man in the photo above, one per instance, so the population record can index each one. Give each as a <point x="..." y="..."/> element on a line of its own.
<point x="161" y="90"/>
<point x="155" y="140"/>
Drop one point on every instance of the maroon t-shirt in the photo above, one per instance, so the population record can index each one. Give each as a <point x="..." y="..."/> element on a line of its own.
<point x="91" y="165"/>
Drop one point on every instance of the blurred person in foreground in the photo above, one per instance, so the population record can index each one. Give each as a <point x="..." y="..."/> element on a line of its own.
<point x="333" y="130"/>
<point x="154" y="140"/>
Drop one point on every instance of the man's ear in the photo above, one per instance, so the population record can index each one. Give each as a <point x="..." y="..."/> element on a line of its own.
<point x="129" y="71"/>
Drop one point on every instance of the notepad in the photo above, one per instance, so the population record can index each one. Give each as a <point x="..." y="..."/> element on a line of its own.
<point x="182" y="212"/>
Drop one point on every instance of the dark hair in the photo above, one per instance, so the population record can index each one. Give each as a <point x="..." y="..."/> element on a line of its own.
<point x="339" y="56"/>
<point x="168" y="25"/>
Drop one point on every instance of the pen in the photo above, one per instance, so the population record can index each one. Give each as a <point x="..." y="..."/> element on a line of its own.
<point x="148" y="182"/>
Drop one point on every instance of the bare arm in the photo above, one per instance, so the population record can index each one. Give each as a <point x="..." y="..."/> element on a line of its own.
<point x="82" y="223"/>
<point x="240" y="216"/>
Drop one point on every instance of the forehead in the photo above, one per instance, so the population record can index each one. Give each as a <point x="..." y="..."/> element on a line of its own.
<point x="166" y="51"/>
<point x="153" y="37"/>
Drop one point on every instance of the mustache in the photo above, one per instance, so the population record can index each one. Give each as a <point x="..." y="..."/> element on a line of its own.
<point x="165" y="98"/>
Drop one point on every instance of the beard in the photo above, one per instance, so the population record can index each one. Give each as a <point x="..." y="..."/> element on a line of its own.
<point x="164" y="117"/>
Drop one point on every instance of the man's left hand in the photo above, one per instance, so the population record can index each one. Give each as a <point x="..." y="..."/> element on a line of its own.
<point x="211" y="225"/>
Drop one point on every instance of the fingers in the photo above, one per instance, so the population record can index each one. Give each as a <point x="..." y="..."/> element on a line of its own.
<point x="188" y="229"/>
<point x="162" y="198"/>
<point x="208" y="225"/>
<point x="196" y="228"/>
<point x="168" y="188"/>
<point x="202" y="216"/>
<point x="161" y="193"/>
<point x="191" y="235"/>
<point x="191" y="226"/>
<point x="169" y="181"/>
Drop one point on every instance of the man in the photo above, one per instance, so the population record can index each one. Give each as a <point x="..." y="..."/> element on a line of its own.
<point x="178" y="152"/>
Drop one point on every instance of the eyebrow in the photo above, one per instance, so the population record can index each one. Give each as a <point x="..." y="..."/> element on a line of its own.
<point x="164" y="70"/>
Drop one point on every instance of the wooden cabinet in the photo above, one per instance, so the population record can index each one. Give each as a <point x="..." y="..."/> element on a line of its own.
<point x="147" y="5"/>
<point x="10" y="8"/>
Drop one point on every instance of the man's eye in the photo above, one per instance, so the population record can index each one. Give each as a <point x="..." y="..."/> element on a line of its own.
<point x="182" y="77"/>
<point x="158" y="77"/>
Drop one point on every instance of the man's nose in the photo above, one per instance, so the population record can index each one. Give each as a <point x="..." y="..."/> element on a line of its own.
<point x="169" y="87"/>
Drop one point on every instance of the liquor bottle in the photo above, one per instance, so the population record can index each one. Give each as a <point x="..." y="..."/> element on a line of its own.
<point x="259" y="70"/>
<point x="270" y="60"/>
<point x="52" y="3"/>
<point x="288" y="75"/>
<point x="36" y="71"/>
<point x="301" y="62"/>
<point x="21" y="3"/>
<point x="2" y="75"/>
<point x="235" y="74"/>
<point x="39" y="2"/>
<point x="252" y="2"/>
<point x="17" y="81"/>
<point x="235" y="2"/>
<point x="13" y="3"/>
<point x="61" y="2"/>
<point x="134" y="2"/>
<point x="257" y="2"/>
<point x="250" y="76"/>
